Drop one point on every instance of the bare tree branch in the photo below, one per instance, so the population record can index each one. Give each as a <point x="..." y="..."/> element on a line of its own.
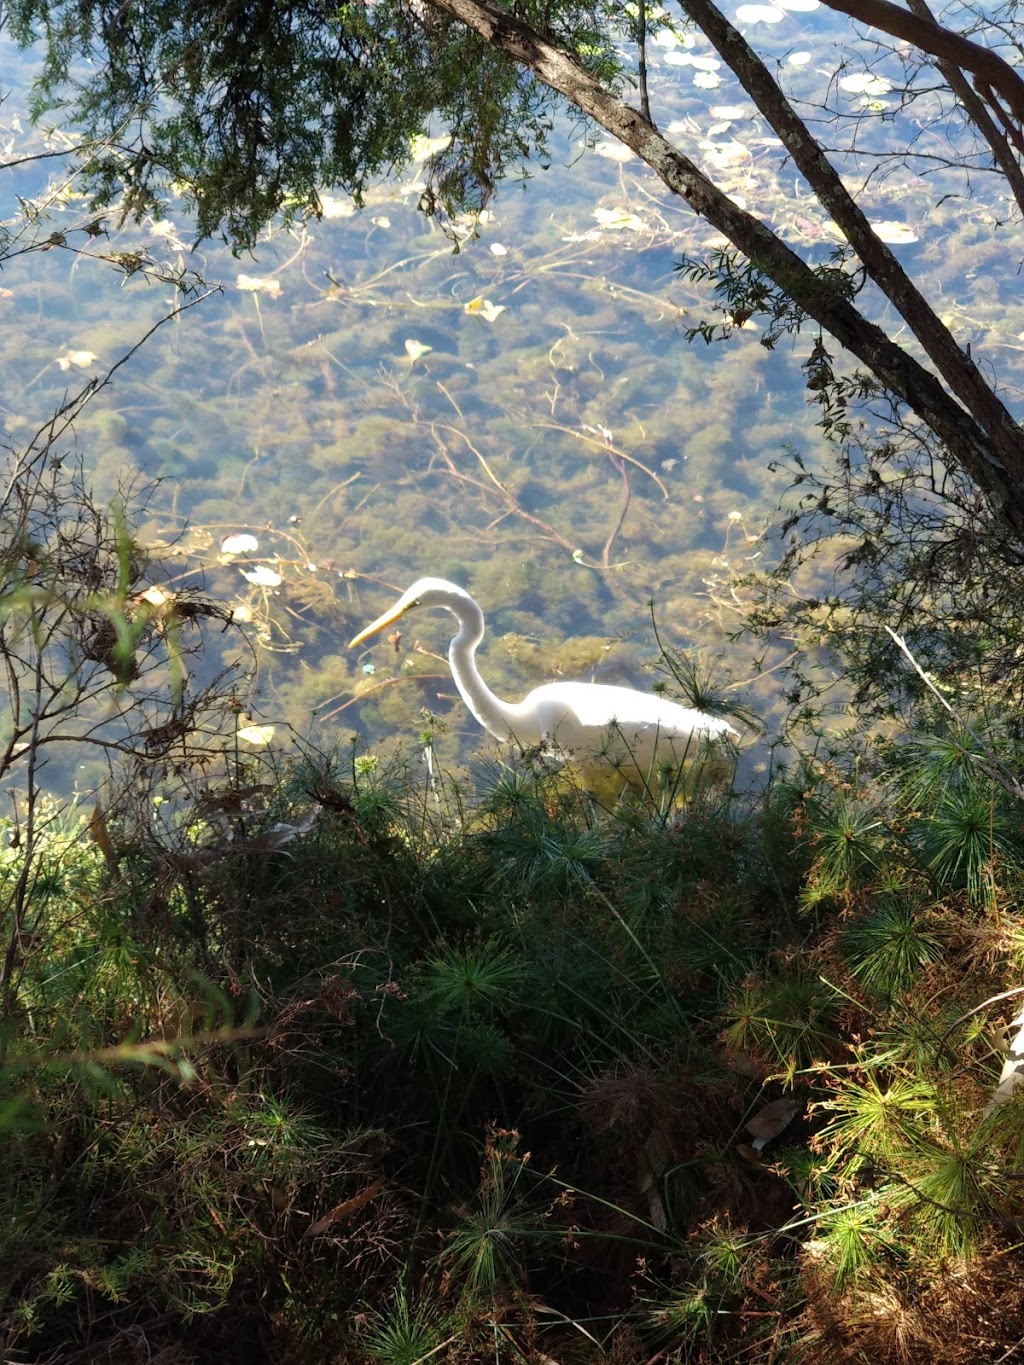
<point x="990" y="71"/>
<point x="977" y="112"/>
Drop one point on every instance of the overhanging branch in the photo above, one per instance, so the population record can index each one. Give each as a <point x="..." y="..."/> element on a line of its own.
<point x="955" y="367"/>
<point x="959" y="430"/>
<point x="988" y="68"/>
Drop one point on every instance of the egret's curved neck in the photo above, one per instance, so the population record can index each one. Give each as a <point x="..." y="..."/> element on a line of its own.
<point x="494" y="715"/>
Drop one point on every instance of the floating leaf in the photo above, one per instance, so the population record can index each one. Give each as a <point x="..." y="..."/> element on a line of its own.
<point x="260" y="284"/>
<point x="759" y="14"/>
<point x="484" y="308"/>
<point x="707" y="80"/>
<point x="864" y="83"/>
<point x="729" y="111"/>
<point x="241" y="544"/>
<point x="896" y="233"/>
<point x="382" y="222"/>
<point x="665" y="37"/>
<point x="414" y="349"/>
<point x="613" y="151"/>
<point x="705" y="63"/>
<point x="798" y="58"/>
<point x="330" y="207"/>
<point x="259" y="735"/>
<point x="262" y="576"/>
<point x="80" y="359"/>
<point x="723" y="154"/>
<point x="616" y="220"/>
<point x="497" y="249"/>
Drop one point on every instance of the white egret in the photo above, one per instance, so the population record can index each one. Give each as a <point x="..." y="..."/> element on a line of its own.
<point x="599" y="727"/>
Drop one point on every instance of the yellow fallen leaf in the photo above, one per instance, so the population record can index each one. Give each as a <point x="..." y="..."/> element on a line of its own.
<point x="414" y="349"/>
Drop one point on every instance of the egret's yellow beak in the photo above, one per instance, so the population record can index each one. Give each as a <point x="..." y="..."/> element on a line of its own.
<point x="379" y="624"/>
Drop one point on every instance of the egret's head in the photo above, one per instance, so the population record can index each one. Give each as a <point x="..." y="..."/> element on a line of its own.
<point x="425" y="592"/>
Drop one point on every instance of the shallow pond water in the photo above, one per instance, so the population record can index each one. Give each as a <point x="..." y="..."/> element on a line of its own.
<point x="524" y="416"/>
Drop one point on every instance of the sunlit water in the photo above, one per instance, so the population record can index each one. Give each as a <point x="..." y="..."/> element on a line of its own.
<point x="525" y="417"/>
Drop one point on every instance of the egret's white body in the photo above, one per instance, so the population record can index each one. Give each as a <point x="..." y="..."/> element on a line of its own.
<point x="595" y="725"/>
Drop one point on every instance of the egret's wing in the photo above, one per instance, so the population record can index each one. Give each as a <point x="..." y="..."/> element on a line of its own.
<point x="594" y="708"/>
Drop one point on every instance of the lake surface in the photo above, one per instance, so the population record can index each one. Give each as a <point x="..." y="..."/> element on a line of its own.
<point x="524" y="416"/>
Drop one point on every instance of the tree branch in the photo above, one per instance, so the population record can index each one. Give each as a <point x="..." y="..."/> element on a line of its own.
<point x="953" y="364"/>
<point x="977" y="112"/>
<point x="987" y="67"/>
<point x="1001" y="479"/>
